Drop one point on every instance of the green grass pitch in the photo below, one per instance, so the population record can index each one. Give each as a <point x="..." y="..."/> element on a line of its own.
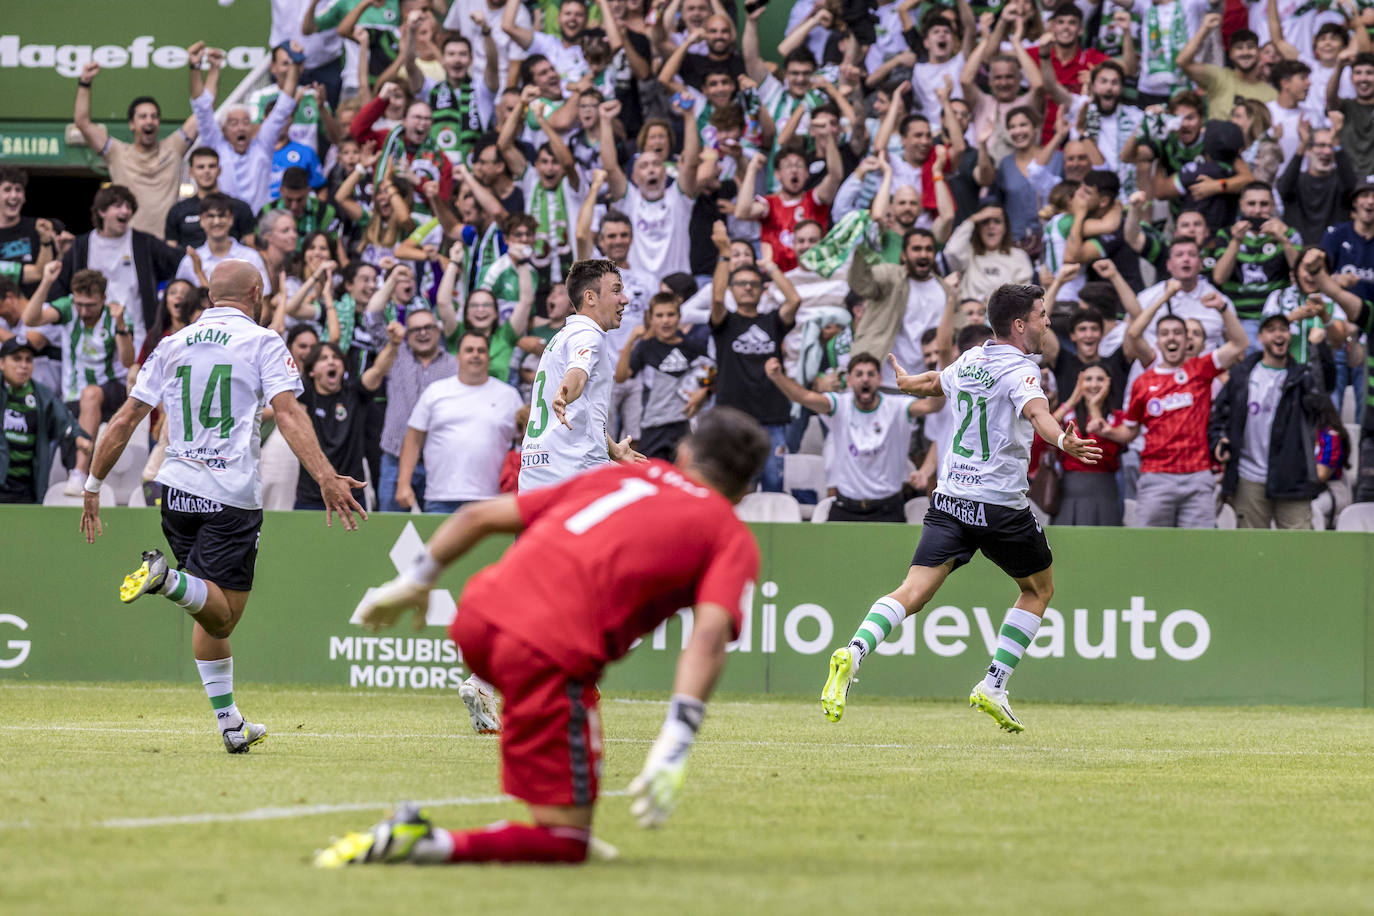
<point x="120" y="799"/>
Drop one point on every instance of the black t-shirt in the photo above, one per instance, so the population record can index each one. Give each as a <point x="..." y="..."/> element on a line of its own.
<point x="183" y="222"/>
<point x="743" y="348"/>
<point x="1068" y="366"/>
<point x="19" y="244"/>
<point x="1114" y="248"/>
<point x="695" y="67"/>
<point x="340" y="422"/>
<point x="663" y="366"/>
<point x="627" y="91"/>
<point x="1220" y="209"/>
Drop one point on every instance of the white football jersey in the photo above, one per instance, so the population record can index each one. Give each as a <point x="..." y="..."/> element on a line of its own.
<point x="868" y="460"/>
<point x="553" y="452"/>
<point x="213" y="378"/>
<point x="987" y="457"/>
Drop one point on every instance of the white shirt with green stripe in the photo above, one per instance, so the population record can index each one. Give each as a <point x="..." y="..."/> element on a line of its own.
<point x="305" y="120"/>
<point x="88" y="354"/>
<point x="1056" y="242"/>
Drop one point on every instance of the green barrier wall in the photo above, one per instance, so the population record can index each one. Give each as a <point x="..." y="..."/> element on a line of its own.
<point x="1213" y="617"/>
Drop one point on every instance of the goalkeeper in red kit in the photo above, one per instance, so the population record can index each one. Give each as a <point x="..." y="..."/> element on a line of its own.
<point x="601" y="560"/>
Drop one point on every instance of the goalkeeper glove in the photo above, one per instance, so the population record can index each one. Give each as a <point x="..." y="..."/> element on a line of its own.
<point x="408" y="591"/>
<point x="655" y="789"/>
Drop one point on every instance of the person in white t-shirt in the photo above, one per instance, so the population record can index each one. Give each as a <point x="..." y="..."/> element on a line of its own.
<point x="563" y="51"/>
<point x="1293" y="80"/>
<point x="213" y="379"/>
<point x="980" y="502"/>
<point x="659" y="213"/>
<point x="217" y="220"/>
<point x="944" y="58"/>
<point x="461" y="19"/>
<point x="871" y="434"/>
<point x="463" y="425"/>
<point x="572" y="386"/>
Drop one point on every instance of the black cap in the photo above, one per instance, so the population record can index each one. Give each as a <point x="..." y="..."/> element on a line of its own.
<point x="1362" y="186"/>
<point x="15" y="344"/>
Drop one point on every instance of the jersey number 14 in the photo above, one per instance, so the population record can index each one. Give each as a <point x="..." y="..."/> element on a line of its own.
<point x="219" y="384"/>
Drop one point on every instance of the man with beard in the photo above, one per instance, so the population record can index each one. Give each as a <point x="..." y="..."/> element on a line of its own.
<point x="312" y="118"/>
<point x="1103" y="123"/>
<point x="183" y="220"/>
<point x="872" y="437"/>
<point x="990" y="108"/>
<point x="1096" y="231"/>
<point x="914" y="166"/>
<point x="903" y="299"/>
<point x="778" y="214"/>
<point x="150" y="167"/>
<point x="660" y="214"/>
<point x="1222" y="85"/>
<point x="214" y="378"/>
<point x="1358" y="128"/>
<point x="1169" y="144"/>
<point x="721" y="54"/>
<point x="216" y="220"/>
<point x="980" y="502"/>
<point x="563" y="51"/>
<point x="406" y="148"/>
<point x="245" y="152"/>
<point x="1255" y="256"/>
<point x="1171" y="401"/>
<point x="1068" y="60"/>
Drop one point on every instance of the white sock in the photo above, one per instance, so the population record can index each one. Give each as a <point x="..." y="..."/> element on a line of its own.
<point x="218" y="678"/>
<point x="185" y="590"/>
<point x="1018" y="629"/>
<point x="480" y="684"/>
<point x="435" y="848"/>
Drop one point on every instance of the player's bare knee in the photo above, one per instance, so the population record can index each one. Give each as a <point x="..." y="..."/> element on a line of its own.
<point x="92" y="396"/>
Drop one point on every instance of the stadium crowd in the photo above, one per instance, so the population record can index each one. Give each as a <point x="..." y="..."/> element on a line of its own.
<point x="1191" y="184"/>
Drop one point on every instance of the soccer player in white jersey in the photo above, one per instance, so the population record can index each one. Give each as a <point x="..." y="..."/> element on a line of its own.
<point x="213" y="378"/>
<point x="980" y="502"/>
<point x="569" y="406"/>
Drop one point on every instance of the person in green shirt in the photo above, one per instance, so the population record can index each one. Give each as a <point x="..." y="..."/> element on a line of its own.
<point x="34" y="417"/>
<point x="380" y="18"/>
<point x="1254" y="257"/>
<point x="481" y="313"/>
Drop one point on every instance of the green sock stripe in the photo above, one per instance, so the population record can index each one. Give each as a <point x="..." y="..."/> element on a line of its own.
<point x="1002" y="656"/>
<point x="881" y="622"/>
<point x="222" y="701"/>
<point x="1015" y="635"/>
<point x="867" y="639"/>
<point x="179" y="592"/>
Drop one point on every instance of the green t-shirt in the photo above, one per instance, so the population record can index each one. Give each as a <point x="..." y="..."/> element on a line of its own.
<point x="382" y="22"/>
<point x="1260" y="269"/>
<point x="306" y="123"/>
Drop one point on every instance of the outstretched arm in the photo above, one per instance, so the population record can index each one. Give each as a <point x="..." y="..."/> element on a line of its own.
<point x="813" y="401"/>
<point x="107" y="452"/>
<point x="925" y="385"/>
<point x="95" y="134"/>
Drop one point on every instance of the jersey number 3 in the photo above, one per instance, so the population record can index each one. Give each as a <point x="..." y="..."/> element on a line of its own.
<point x="532" y="429"/>
<point x="219" y="383"/>
<point x="966" y="404"/>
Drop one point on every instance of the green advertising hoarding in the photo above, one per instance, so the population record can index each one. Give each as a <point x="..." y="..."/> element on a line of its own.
<point x="140" y="47"/>
<point x="1208" y="617"/>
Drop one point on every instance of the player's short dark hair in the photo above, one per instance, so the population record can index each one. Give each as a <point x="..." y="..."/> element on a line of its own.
<point x="972" y="335"/>
<point x="1186" y="98"/>
<point x="586" y="275"/>
<point x="729" y="448"/>
<point x="107" y="197"/>
<point x="1333" y="28"/>
<point x="1105" y="183"/>
<point x="1287" y="69"/>
<point x="616" y="216"/>
<point x="1112" y="65"/>
<point x="350" y="273"/>
<point x="143" y="100"/>
<point x="910" y="120"/>
<point x="746" y="269"/>
<point x="295" y="178"/>
<point x="1363" y="59"/>
<point x="8" y="288"/>
<point x="455" y="38"/>
<point x="216" y="202"/>
<point x="1182" y="240"/>
<point x="11" y="175"/>
<point x="1257" y="185"/>
<point x="1242" y="36"/>
<point x="800" y="55"/>
<point x="928" y="335"/>
<point x="1067" y="9"/>
<point x="527" y="67"/>
<point x="862" y="357"/>
<point x="204" y="152"/>
<point x="915" y="231"/>
<point x="1024" y="111"/>
<point x="721" y="68"/>
<point x="1009" y="302"/>
<point x="88" y="283"/>
<point x="519" y="220"/>
<point x="1085" y="316"/>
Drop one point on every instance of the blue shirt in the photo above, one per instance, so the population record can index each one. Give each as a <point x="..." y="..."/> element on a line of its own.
<point x="300" y="156"/>
<point x="1350" y="252"/>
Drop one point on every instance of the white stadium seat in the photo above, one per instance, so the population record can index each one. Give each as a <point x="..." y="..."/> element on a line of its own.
<point x="1356" y="517"/>
<point x="916" y="510"/>
<point x="768" y="507"/>
<point x="55" y="496"/>
<point x="822" y="511"/>
<point x="803" y="472"/>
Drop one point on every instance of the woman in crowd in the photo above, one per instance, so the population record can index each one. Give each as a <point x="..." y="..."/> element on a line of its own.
<point x="981" y="247"/>
<point x="1089" y="493"/>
